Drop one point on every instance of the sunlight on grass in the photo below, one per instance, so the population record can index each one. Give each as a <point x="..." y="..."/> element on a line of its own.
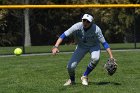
<point x="47" y="74"/>
<point x="63" y="48"/>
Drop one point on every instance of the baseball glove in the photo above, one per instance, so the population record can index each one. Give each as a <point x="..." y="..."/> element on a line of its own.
<point x="111" y="66"/>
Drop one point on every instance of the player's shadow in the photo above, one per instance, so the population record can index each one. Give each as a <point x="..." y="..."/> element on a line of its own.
<point x="104" y="83"/>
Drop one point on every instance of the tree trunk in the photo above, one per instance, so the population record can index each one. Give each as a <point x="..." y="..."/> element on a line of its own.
<point x="27" y="26"/>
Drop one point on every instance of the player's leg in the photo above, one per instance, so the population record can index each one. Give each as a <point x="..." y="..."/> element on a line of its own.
<point x="95" y="55"/>
<point x="78" y="54"/>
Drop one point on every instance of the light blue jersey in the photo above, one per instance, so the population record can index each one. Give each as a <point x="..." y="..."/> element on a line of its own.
<point x="86" y="39"/>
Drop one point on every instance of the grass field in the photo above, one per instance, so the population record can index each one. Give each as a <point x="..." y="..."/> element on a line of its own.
<point x="47" y="74"/>
<point x="46" y="49"/>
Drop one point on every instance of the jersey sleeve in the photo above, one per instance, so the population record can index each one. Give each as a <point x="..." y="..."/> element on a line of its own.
<point x="101" y="38"/>
<point x="99" y="35"/>
<point x="71" y="29"/>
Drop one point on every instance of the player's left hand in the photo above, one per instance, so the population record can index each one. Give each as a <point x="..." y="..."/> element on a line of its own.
<point x="111" y="66"/>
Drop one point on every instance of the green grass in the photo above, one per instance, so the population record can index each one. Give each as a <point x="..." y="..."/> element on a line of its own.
<point x="47" y="74"/>
<point x="44" y="49"/>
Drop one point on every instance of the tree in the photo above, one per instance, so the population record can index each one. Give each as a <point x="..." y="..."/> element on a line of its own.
<point x="27" y="41"/>
<point x="46" y="25"/>
<point x="9" y="33"/>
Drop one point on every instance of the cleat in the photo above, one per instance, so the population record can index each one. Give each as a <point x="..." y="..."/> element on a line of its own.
<point x="84" y="80"/>
<point x="69" y="82"/>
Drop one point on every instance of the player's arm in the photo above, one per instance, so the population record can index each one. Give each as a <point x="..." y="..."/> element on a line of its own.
<point x="65" y="34"/>
<point x="106" y="46"/>
<point x="58" y="42"/>
<point x="103" y="41"/>
<point x="109" y="52"/>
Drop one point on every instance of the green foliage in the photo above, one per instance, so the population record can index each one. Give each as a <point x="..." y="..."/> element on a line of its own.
<point x="117" y="24"/>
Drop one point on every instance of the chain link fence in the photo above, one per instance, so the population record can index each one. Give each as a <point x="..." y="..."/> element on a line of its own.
<point x="119" y="26"/>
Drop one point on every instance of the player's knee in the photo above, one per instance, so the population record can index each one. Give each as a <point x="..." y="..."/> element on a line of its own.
<point x="72" y="66"/>
<point x="95" y="59"/>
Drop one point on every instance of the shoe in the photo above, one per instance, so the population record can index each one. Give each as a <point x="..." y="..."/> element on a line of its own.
<point x="69" y="82"/>
<point x="84" y="80"/>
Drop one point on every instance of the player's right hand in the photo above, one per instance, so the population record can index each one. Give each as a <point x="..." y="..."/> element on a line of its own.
<point x="55" y="50"/>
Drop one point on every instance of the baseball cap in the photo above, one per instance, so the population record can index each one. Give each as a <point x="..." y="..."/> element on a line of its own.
<point x="88" y="17"/>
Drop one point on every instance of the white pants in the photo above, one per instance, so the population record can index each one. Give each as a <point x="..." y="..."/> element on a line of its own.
<point x="79" y="53"/>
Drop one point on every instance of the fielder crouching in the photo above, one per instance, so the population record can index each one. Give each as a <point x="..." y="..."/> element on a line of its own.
<point x="88" y="36"/>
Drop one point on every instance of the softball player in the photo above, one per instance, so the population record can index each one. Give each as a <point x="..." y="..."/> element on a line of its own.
<point x="88" y="36"/>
